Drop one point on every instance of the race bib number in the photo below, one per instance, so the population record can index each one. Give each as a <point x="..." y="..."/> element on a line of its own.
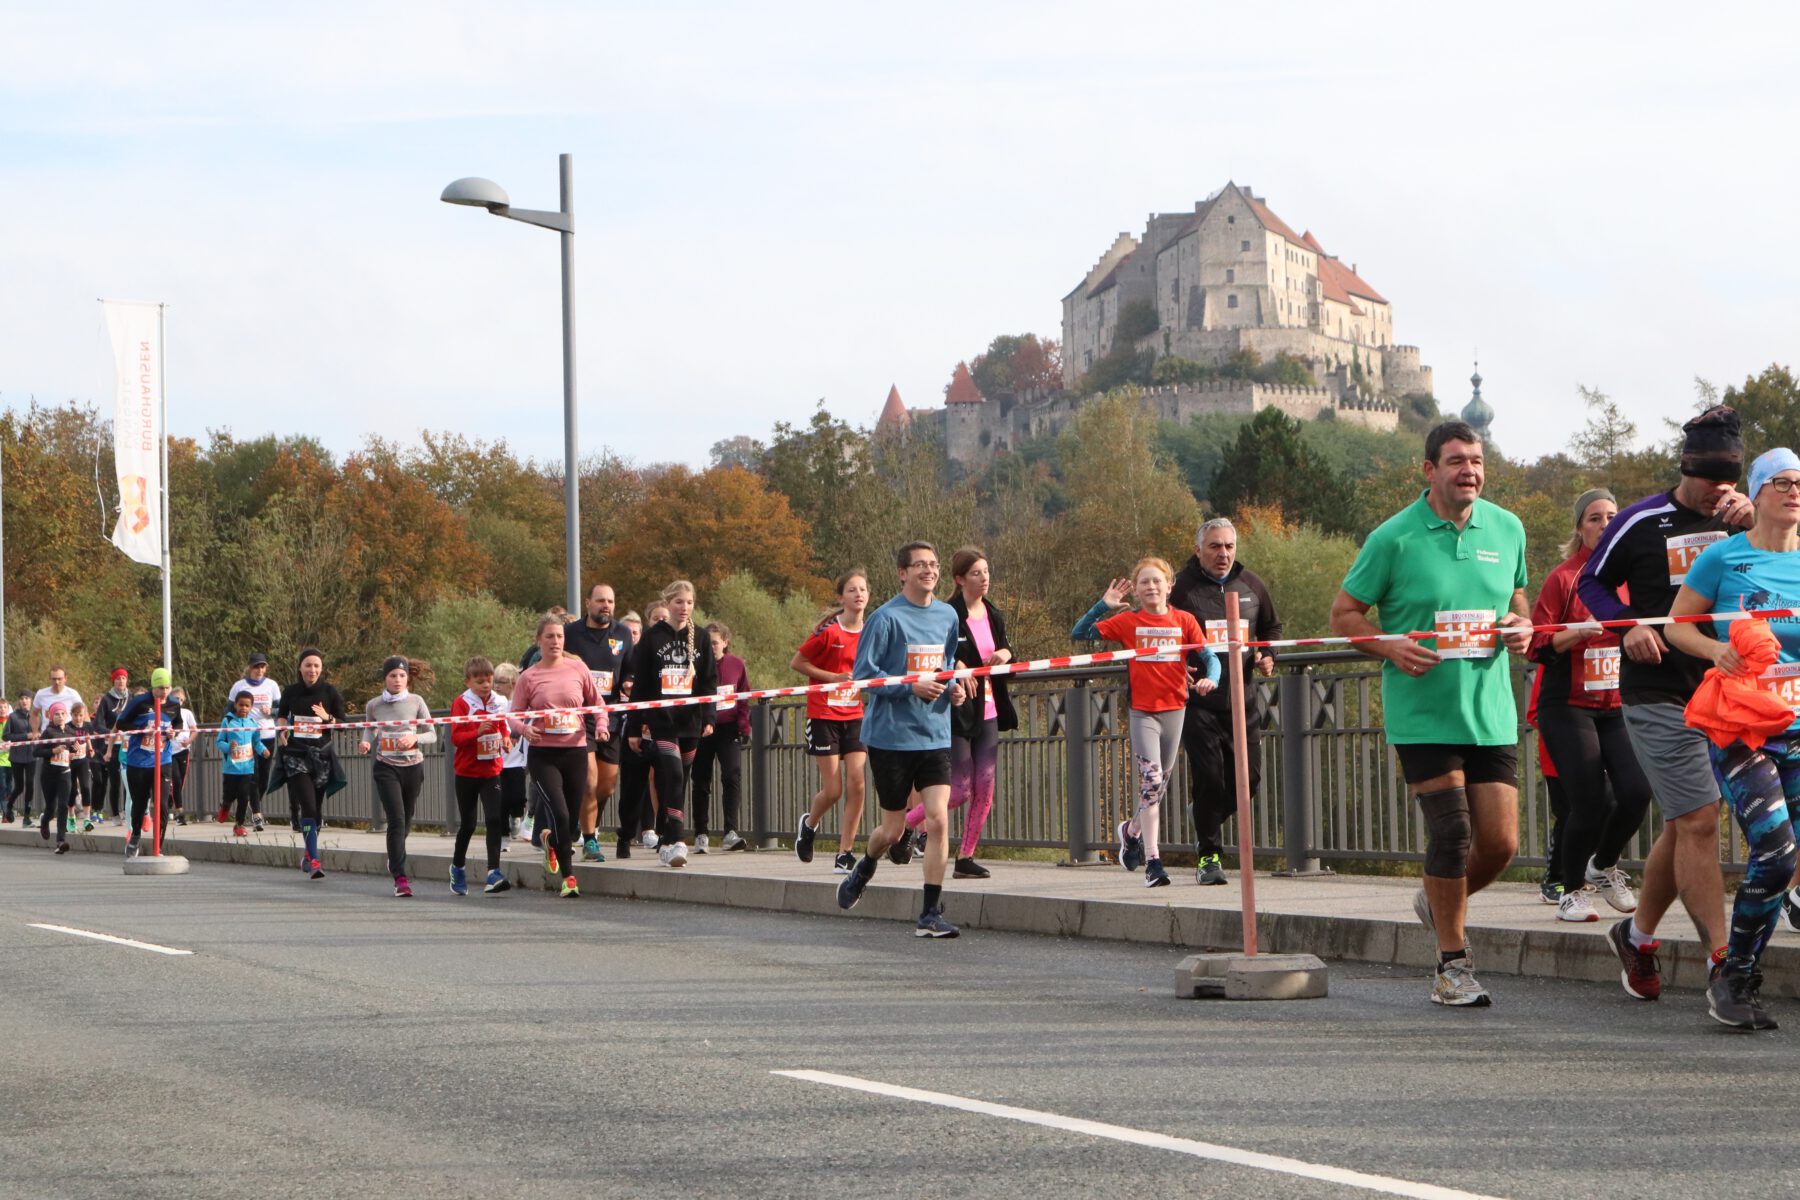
<point x="391" y="743"/>
<point x="1454" y="636"/>
<point x="1218" y="633"/>
<point x="562" y="722"/>
<point x="1600" y="669"/>
<point x="1783" y="681"/>
<point x="1156" y="643"/>
<point x="308" y="727"/>
<point x="241" y="752"/>
<point x="602" y="681"/>
<point x="726" y="689"/>
<point x="59" y="757"/>
<point x="1685" y="548"/>
<point x="924" y="658"/>
<point x="677" y="681"/>
<point x="487" y="746"/>
<point x="844" y="697"/>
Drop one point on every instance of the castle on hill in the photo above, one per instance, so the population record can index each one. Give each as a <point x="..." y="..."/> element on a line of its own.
<point x="1205" y="286"/>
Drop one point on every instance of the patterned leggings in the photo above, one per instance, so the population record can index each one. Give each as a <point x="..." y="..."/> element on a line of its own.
<point x="1762" y="787"/>
<point x="1155" y="739"/>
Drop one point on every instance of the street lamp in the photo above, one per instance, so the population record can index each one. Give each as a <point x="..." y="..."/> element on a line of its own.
<point x="485" y="193"/>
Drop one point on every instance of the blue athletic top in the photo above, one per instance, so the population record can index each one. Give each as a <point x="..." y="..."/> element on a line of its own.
<point x="901" y="638"/>
<point x="1734" y="576"/>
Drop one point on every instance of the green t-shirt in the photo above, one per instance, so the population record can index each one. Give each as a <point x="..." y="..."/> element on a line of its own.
<point x="1421" y="573"/>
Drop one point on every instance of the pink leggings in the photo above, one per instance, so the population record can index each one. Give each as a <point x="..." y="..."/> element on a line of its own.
<point x="972" y="762"/>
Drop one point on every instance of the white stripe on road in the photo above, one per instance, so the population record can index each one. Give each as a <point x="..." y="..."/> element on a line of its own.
<point x="1140" y="1137"/>
<point x="107" y="937"/>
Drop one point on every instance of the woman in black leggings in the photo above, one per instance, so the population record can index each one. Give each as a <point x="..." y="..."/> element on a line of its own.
<point x="307" y="757"/>
<point x="1583" y="730"/>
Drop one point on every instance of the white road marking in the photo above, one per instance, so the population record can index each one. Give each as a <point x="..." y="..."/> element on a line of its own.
<point x="1140" y="1137"/>
<point x="107" y="937"/>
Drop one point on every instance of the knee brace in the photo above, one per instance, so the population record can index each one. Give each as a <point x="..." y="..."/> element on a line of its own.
<point x="1446" y="832"/>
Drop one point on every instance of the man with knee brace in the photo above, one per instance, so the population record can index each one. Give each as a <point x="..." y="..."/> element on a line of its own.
<point x="1453" y="564"/>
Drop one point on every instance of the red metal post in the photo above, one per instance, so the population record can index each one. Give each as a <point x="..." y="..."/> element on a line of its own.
<point x="1246" y="829"/>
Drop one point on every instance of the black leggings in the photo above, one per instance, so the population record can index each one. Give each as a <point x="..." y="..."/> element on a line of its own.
<point x="140" y="782"/>
<point x="23" y="786"/>
<point x="242" y="793"/>
<point x="1591" y="750"/>
<point x="397" y="788"/>
<point x="1212" y="771"/>
<point x="723" y="749"/>
<point x="512" y="791"/>
<point x="486" y="788"/>
<point x="307" y="772"/>
<point x="57" y="783"/>
<point x="670" y="764"/>
<point x="180" y="763"/>
<point x="636" y="813"/>
<point x="560" y="772"/>
<point x="109" y="786"/>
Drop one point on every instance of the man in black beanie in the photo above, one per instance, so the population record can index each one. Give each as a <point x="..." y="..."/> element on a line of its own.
<point x="1635" y="571"/>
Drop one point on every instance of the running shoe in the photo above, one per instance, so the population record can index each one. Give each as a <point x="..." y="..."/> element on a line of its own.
<point x="803" y="840"/>
<point x="733" y="841"/>
<point x="1210" y="872"/>
<point x="1131" y="849"/>
<point x="622" y="849"/>
<point x="649" y="840"/>
<point x="551" y="866"/>
<point x="87" y="826"/>
<point x="901" y="852"/>
<point x="256" y="823"/>
<point x="223" y="815"/>
<point x="239" y="831"/>
<point x="570" y="889"/>
<point x="850" y="891"/>
<point x="844" y="863"/>
<point x="968" y="868"/>
<point x="1422" y="910"/>
<point x="1732" y="999"/>
<point x="1640" y="972"/>
<point x="181" y="818"/>
<point x="497" y="882"/>
<point x="402" y="888"/>
<point x="1154" y="875"/>
<point x="673" y="854"/>
<point x="131" y="848"/>
<point x="590" y="849"/>
<point x="523" y="831"/>
<point x="315" y="868"/>
<point x="1613" y="885"/>
<point x="932" y="924"/>
<point x="1576" y="908"/>
<point x="459" y="881"/>
<point x="702" y="844"/>
<point x="62" y="847"/>
<point x="1456" y="986"/>
<point x="1550" y="892"/>
<point x="1790" y="910"/>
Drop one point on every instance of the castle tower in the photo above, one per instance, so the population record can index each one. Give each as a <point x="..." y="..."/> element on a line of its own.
<point x="894" y="418"/>
<point x="965" y="417"/>
<point x="1478" y="412"/>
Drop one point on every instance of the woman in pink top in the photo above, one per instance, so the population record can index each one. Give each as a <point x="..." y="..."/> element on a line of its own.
<point x="558" y="762"/>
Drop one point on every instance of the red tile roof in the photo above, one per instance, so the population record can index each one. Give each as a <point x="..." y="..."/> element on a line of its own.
<point x="1270" y="221"/>
<point x="1340" y="283"/>
<point x="893" y="413"/>
<point x="962" y="388"/>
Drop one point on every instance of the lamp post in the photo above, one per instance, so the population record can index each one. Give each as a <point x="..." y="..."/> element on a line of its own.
<point x="484" y="193"/>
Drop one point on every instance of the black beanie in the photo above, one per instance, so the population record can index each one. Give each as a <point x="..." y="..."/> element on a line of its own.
<point x="1711" y="446"/>
<point x="399" y="662"/>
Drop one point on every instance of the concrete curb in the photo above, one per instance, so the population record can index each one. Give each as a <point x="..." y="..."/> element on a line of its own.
<point x="1548" y="953"/>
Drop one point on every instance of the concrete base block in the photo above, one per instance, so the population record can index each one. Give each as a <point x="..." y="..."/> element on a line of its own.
<point x="1237" y="976"/>
<point x="150" y="864"/>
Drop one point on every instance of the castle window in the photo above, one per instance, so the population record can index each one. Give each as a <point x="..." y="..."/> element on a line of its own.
<point x="1231" y="302"/>
<point x="1244" y="246"/>
<point x="1232" y="220"/>
<point x="1230" y="275"/>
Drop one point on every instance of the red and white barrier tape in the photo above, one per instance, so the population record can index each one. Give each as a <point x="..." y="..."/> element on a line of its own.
<point x="1055" y="663"/>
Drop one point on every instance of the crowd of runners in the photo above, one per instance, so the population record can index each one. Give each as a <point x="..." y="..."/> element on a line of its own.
<point x="1625" y="719"/>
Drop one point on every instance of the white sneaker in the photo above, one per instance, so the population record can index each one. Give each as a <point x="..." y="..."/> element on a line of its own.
<point x="732" y="840"/>
<point x="1576" y="908"/>
<point x="524" y="834"/>
<point x="1455" y="985"/>
<point x="673" y="855"/>
<point x="702" y="844"/>
<point x="648" y="840"/>
<point x="1613" y="885"/>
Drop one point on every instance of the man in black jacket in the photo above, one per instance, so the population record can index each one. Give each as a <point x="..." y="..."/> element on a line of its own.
<point x="1200" y="588"/>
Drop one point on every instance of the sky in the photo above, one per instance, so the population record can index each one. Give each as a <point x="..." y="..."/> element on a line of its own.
<point x="783" y="203"/>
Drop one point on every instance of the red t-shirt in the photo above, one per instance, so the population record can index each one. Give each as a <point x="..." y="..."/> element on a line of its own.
<point x="479" y="745"/>
<point x="833" y="648"/>
<point x="1159" y="680"/>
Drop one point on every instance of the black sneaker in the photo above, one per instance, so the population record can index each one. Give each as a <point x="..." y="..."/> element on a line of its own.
<point x="622" y="849"/>
<point x="901" y="852"/>
<point x="1154" y="875"/>
<point x="803" y="840"/>
<point x="1731" y="999"/>
<point x="844" y="863"/>
<point x="1790" y="911"/>
<point x="968" y="868"/>
<point x="1210" y="872"/>
<point x="850" y="891"/>
<point x="62" y="847"/>
<point x="932" y="924"/>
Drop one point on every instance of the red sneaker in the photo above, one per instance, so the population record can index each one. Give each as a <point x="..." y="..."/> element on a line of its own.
<point x="1641" y="975"/>
<point x="223" y="815"/>
<point x="239" y="831"/>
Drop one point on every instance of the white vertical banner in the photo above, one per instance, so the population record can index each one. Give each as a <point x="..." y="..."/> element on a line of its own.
<point x="137" y="427"/>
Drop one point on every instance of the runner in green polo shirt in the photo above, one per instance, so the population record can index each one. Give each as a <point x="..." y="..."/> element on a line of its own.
<point x="1451" y="564"/>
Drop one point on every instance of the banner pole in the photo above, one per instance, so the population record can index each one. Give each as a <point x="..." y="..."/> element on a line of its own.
<point x="162" y="386"/>
<point x="1240" y="755"/>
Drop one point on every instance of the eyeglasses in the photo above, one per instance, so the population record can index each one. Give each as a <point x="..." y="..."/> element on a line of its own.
<point x="929" y="566"/>
<point x="1784" y="485"/>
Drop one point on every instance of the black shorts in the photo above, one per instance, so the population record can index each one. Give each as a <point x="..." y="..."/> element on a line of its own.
<point x="833" y="739"/>
<point x="1479" y="764"/>
<point x="606" y="750"/>
<point x="899" y="773"/>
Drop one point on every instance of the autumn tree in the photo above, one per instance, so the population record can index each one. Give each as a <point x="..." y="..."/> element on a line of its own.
<point x="1018" y="363"/>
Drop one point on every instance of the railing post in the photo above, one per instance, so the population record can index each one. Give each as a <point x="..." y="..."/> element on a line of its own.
<point x="1078" y="733"/>
<point x="1298" y="714"/>
<point x="761" y="817"/>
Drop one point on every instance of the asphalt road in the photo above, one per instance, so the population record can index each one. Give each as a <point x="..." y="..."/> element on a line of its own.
<point x="324" y="1039"/>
